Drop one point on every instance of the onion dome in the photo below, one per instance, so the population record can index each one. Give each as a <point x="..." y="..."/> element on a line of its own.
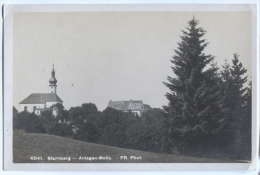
<point x="53" y="79"/>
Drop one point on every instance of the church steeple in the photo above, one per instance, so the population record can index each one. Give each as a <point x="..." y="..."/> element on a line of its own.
<point x="53" y="81"/>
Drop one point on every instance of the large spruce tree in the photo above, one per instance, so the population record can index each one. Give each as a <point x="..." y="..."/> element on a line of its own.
<point x="194" y="107"/>
<point x="237" y="101"/>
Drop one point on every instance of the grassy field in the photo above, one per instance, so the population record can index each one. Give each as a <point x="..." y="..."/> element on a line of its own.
<point x="29" y="147"/>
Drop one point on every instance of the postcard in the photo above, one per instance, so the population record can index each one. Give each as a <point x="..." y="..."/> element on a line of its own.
<point x="130" y="87"/>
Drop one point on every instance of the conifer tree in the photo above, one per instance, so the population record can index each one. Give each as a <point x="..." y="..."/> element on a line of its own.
<point x="235" y="100"/>
<point x="227" y="107"/>
<point x="247" y="123"/>
<point x="194" y="107"/>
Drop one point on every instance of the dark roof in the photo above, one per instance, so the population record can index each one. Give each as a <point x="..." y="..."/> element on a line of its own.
<point x="135" y="105"/>
<point x="41" y="98"/>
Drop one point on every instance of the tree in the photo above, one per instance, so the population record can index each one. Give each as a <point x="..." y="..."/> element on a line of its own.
<point x="247" y="123"/>
<point x="48" y="121"/>
<point x="146" y="132"/>
<point x="59" y="113"/>
<point x="237" y="101"/>
<point x="85" y="122"/>
<point x="28" y="122"/>
<point x="89" y="108"/>
<point x="114" y="126"/>
<point x="61" y="124"/>
<point x="194" y="98"/>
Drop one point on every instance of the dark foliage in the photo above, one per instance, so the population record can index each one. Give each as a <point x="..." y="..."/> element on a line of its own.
<point x="237" y="102"/>
<point x="84" y="122"/>
<point x="147" y="133"/>
<point x="110" y="127"/>
<point x="28" y="122"/>
<point x="207" y="109"/>
<point x="194" y="99"/>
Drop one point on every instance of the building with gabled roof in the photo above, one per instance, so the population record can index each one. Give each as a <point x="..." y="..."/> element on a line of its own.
<point x="135" y="106"/>
<point x="37" y="102"/>
<point x="41" y="98"/>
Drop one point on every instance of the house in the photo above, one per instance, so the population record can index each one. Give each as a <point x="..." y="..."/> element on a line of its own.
<point x="135" y="106"/>
<point x="37" y="102"/>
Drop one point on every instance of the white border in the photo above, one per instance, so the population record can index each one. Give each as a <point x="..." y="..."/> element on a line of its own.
<point x="11" y="9"/>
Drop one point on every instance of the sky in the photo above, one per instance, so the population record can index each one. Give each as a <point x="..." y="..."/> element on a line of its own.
<point x="102" y="56"/>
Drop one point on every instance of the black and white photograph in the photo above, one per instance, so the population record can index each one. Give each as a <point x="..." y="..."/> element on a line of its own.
<point x="132" y="86"/>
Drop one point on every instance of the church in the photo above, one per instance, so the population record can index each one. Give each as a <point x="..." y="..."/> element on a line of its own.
<point x="38" y="102"/>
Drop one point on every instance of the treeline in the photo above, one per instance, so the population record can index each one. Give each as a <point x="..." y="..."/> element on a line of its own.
<point x="109" y="127"/>
<point x="208" y="114"/>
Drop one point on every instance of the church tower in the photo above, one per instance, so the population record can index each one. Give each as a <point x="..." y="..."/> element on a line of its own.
<point x="53" y="81"/>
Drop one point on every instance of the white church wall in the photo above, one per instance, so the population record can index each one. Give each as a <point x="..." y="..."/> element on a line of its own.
<point x="37" y="108"/>
<point x="49" y="104"/>
<point x="31" y="107"/>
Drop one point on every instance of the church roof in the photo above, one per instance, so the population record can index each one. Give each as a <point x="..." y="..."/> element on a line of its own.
<point x="41" y="98"/>
<point x="134" y="105"/>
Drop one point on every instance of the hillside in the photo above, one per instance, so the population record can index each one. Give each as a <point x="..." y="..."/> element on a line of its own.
<point x="41" y="147"/>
